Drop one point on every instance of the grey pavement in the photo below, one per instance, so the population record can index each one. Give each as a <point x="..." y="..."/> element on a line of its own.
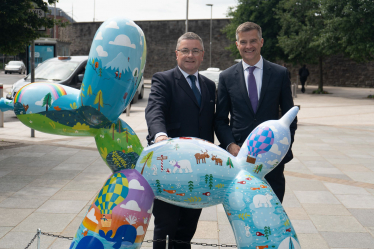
<point x="49" y="181"/>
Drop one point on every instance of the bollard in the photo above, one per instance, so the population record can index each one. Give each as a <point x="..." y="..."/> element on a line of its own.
<point x="1" y="113"/>
<point x="128" y="110"/>
<point x="39" y="232"/>
<point x="292" y="90"/>
<point x="295" y="86"/>
<point x="32" y="133"/>
<point x="167" y="242"/>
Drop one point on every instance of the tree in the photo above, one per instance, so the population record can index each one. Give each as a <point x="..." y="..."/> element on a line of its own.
<point x="19" y="26"/>
<point x="147" y="159"/>
<point x="262" y="13"/>
<point x="229" y="162"/>
<point x="350" y="24"/>
<point x="47" y="101"/>
<point x="302" y="24"/>
<point x="99" y="100"/>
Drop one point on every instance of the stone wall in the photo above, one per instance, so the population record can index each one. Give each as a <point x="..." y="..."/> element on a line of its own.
<point x="339" y="71"/>
<point x="161" y="38"/>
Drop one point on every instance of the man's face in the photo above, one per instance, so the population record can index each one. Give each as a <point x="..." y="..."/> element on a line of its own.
<point x="249" y="46"/>
<point x="189" y="62"/>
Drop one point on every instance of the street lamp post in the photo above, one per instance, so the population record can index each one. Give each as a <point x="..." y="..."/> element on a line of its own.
<point x="210" y="48"/>
<point x="187" y="18"/>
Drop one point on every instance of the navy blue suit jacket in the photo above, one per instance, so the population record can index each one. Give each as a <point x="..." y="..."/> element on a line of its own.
<point x="233" y="99"/>
<point x="172" y="107"/>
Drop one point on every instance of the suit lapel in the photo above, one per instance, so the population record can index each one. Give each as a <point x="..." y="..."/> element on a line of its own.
<point x="266" y="74"/>
<point x="204" y="92"/>
<point x="239" y="77"/>
<point x="181" y="81"/>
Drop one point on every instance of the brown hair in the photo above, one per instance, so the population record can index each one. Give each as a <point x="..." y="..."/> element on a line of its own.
<point x="248" y="26"/>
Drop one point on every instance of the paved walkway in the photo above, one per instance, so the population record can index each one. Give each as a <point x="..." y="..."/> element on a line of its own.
<point x="49" y="181"/>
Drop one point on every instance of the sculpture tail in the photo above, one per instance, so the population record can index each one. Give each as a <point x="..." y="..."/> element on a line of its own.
<point x="267" y="144"/>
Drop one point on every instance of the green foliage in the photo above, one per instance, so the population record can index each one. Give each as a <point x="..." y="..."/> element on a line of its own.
<point x="19" y="25"/>
<point x="349" y="23"/>
<point x="206" y="178"/>
<point x="262" y="13"/>
<point x="267" y="232"/>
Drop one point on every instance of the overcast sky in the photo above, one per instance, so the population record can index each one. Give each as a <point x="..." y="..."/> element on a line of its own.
<point x="137" y="10"/>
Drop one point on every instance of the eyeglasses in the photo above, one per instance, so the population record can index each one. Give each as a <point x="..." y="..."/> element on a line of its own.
<point x="186" y="51"/>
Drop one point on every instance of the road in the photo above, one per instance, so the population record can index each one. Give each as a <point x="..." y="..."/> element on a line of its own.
<point x="9" y="79"/>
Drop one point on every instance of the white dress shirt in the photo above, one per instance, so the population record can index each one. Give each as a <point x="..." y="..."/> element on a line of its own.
<point x="258" y="72"/>
<point x="190" y="83"/>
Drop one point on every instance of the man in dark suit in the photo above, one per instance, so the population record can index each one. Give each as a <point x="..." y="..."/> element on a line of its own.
<point x="252" y="92"/>
<point x="181" y="104"/>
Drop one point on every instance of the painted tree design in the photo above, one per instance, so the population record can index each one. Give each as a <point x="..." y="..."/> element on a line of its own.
<point x="120" y="127"/>
<point x="190" y="185"/>
<point x="147" y="159"/>
<point x="89" y="90"/>
<point x="99" y="100"/>
<point x="82" y="94"/>
<point x="176" y="147"/>
<point x="113" y="129"/>
<point x="258" y="168"/>
<point x="229" y="162"/>
<point x="47" y="101"/>
<point x="100" y="71"/>
<point x="206" y="178"/>
<point x="127" y="134"/>
<point x="158" y="185"/>
<point x="211" y="181"/>
<point x="267" y="232"/>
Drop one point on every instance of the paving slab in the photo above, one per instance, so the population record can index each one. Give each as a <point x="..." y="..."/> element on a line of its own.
<point x="50" y="223"/>
<point x="348" y="240"/>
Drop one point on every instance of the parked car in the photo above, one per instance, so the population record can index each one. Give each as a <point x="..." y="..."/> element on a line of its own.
<point x="212" y="73"/>
<point x="62" y="70"/>
<point x="15" y="67"/>
<point x="65" y="70"/>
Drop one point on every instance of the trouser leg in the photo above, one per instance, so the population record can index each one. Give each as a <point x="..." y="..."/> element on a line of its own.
<point x="277" y="181"/>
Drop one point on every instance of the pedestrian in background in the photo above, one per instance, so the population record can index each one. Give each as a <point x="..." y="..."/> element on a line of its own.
<point x="303" y="73"/>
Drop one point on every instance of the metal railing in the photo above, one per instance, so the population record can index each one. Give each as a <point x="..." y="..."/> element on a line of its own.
<point x="167" y="240"/>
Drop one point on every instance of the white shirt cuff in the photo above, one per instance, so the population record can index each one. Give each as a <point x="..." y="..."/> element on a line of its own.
<point x="159" y="134"/>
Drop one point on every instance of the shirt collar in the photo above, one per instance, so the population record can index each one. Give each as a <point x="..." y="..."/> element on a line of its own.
<point x="259" y="64"/>
<point x="186" y="74"/>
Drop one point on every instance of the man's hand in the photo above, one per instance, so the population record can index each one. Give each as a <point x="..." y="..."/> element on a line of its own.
<point x="234" y="149"/>
<point x="161" y="138"/>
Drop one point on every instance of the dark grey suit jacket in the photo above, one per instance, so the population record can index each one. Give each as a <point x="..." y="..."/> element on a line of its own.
<point x="233" y="99"/>
<point x="172" y="107"/>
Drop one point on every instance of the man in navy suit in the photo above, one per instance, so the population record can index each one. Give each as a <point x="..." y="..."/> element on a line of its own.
<point x="181" y="104"/>
<point x="252" y="92"/>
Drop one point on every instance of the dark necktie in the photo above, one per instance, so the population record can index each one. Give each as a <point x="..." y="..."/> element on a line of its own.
<point x="252" y="89"/>
<point x="194" y="88"/>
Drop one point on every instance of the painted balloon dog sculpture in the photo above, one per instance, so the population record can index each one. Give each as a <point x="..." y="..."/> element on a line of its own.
<point x="188" y="172"/>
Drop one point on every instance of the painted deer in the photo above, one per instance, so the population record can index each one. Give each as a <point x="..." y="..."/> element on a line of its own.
<point x="201" y="157"/>
<point x="217" y="160"/>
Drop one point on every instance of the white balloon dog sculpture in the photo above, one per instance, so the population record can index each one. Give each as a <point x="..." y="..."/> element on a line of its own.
<point x="188" y="172"/>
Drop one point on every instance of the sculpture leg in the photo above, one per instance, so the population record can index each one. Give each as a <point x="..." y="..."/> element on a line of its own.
<point x="119" y="215"/>
<point x="257" y="216"/>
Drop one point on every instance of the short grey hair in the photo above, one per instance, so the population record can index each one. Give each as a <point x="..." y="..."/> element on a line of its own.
<point x="248" y="26"/>
<point x="189" y="36"/>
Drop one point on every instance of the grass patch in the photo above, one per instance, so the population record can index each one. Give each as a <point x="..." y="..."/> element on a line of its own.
<point x="371" y="96"/>
<point x="318" y="91"/>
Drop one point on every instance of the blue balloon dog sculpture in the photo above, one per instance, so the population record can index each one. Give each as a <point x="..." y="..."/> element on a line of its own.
<point x="185" y="171"/>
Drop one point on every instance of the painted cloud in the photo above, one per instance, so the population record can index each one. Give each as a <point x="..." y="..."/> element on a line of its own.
<point x="131" y="205"/>
<point x="122" y="40"/>
<point x="112" y="25"/>
<point x="100" y="51"/>
<point x="135" y="184"/>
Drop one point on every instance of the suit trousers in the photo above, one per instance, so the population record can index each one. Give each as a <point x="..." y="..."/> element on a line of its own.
<point x="277" y="181"/>
<point x="178" y="222"/>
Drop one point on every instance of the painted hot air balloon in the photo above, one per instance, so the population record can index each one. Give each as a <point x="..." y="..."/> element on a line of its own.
<point x="259" y="142"/>
<point x="114" y="192"/>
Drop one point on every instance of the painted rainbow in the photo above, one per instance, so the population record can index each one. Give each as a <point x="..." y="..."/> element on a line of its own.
<point x="56" y="90"/>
